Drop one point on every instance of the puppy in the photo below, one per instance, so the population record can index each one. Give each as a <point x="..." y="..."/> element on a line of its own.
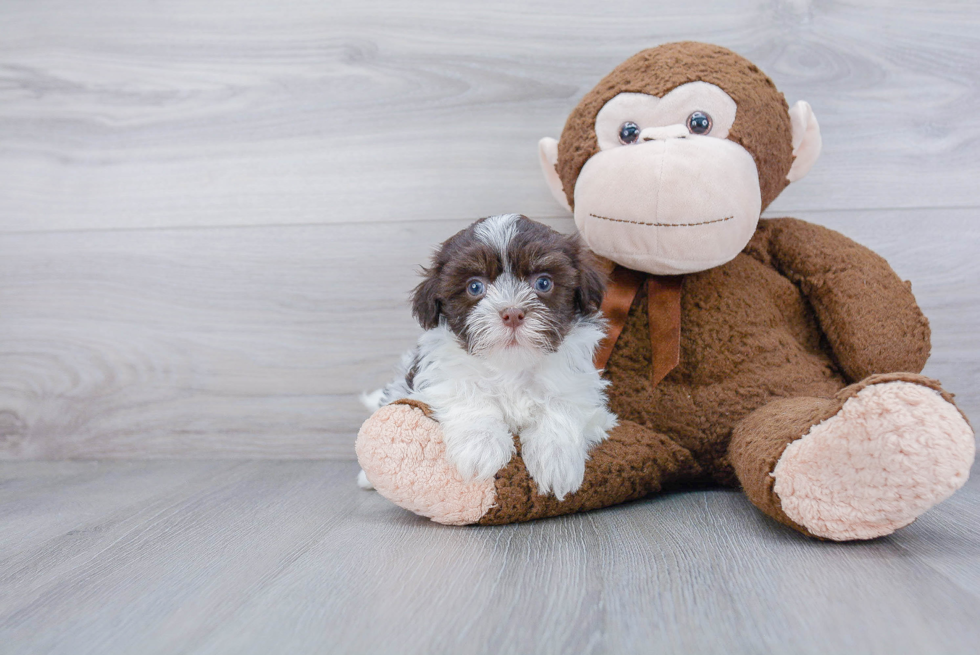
<point x="511" y="313"/>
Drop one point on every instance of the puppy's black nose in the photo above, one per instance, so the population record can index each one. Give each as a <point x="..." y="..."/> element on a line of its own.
<point x="512" y="317"/>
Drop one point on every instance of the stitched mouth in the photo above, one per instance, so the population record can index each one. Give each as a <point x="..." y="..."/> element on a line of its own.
<point x="620" y="220"/>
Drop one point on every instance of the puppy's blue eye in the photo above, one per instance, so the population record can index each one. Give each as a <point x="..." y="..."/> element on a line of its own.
<point x="629" y="132"/>
<point x="543" y="284"/>
<point x="475" y="288"/>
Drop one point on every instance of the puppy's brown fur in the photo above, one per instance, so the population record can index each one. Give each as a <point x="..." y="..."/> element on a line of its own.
<point x="533" y="249"/>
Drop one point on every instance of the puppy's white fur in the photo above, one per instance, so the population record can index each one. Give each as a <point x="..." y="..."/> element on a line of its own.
<point x="510" y="382"/>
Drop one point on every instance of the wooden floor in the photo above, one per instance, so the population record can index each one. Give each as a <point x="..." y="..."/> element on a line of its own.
<point x="290" y="557"/>
<point x="210" y="211"/>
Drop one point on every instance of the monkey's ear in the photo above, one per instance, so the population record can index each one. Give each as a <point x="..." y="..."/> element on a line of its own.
<point x="425" y="301"/>
<point x="591" y="284"/>
<point x="806" y="140"/>
<point x="548" y="155"/>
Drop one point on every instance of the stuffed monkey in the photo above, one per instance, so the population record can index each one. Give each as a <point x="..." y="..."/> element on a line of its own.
<point x="769" y="354"/>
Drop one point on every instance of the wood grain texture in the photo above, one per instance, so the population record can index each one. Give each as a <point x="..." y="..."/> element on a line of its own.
<point x="255" y="342"/>
<point x="141" y="114"/>
<point x="290" y="557"/>
<point x="210" y="212"/>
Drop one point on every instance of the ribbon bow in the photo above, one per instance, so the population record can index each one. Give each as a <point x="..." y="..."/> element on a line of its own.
<point x="663" y="310"/>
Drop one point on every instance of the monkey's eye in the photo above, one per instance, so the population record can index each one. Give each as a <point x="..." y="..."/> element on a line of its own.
<point x="629" y="132"/>
<point x="699" y="123"/>
<point x="543" y="284"/>
<point x="475" y="287"/>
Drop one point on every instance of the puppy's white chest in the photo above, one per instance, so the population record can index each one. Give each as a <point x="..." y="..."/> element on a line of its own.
<point x="519" y="403"/>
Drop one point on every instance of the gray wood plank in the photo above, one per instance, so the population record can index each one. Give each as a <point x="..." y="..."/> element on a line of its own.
<point x="100" y="504"/>
<point x="32" y="491"/>
<point x="255" y="342"/>
<point x="165" y="549"/>
<point x="136" y="114"/>
<point x="302" y="161"/>
<point x="292" y="557"/>
<point x="945" y="538"/>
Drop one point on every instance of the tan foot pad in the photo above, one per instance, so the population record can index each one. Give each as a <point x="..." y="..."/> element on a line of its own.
<point x="893" y="451"/>
<point x="403" y="456"/>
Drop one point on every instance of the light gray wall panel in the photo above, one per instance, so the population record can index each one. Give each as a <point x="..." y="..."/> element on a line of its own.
<point x="254" y="342"/>
<point x="145" y="114"/>
<point x="210" y="211"/>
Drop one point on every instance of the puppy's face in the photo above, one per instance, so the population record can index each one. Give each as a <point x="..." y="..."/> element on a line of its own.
<point x="507" y="282"/>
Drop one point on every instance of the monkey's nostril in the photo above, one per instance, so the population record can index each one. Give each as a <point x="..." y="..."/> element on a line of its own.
<point x="512" y="317"/>
<point x="664" y="133"/>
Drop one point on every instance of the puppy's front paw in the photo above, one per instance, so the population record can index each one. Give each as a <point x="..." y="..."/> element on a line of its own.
<point x="478" y="452"/>
<point x="555" y="466"/>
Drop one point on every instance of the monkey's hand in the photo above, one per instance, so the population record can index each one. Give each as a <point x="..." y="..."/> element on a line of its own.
<point x="869" y="315"/>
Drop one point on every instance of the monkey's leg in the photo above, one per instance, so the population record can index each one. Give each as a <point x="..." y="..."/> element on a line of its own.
<point x="856" y="466"/>
<point x="401" y="451"/>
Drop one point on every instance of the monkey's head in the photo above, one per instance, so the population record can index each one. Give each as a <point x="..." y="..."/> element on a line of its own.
<point x="669" y="161"/>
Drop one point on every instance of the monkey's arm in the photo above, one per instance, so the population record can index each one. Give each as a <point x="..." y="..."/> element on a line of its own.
<point x="403" y="454"/>
<point x="869" y="315"/>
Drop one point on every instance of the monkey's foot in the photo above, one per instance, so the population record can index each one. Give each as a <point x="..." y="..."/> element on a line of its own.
<point x="402" y="453"/>
<point x="891" y="452"/>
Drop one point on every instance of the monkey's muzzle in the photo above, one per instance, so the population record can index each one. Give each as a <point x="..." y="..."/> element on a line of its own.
<point x="670" y="206"/>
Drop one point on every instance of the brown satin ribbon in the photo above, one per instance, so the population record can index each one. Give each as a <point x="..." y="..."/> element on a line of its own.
<point x="663" y="309"/>
<point x="623" y="285"/>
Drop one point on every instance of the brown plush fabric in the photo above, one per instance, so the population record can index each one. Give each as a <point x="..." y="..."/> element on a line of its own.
<point x="756" y="371"/>
<point x="634" y="462"/>
<point x="771" y="343"/>
<point x="762" y="124"/>
<point x="749" y="335"/>
<point x="855" y="295"/>
<point x="759" y="441"/>
<point x="417" y="404"/>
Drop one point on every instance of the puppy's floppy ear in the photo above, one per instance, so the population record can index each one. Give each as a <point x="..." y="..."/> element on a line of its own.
<point x="426" y="306"/>
<point x="591" y="283"/>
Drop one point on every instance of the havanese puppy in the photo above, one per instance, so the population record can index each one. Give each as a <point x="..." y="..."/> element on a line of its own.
<point x="511" y="313"/>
